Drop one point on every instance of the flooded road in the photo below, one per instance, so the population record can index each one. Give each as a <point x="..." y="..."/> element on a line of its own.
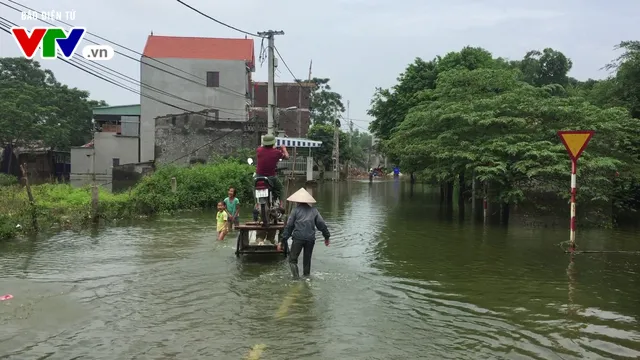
<point x="399" y="281"/>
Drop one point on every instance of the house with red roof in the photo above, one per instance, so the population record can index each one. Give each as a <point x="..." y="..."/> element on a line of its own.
<point x="183" y="74"/>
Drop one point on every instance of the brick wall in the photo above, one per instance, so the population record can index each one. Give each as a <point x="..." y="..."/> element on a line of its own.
<point x="186" y="138"/>
<point x="288" y="121"/>
<point x="286" y="96"/>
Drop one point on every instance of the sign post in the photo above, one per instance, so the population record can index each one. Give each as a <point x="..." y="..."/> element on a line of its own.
<point x="575" y="142"/>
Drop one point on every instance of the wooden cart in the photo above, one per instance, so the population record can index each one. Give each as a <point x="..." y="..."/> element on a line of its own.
<point x="270" y="235"/>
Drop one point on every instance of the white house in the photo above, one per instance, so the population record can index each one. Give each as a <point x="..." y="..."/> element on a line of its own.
<point x="181" y="74"/>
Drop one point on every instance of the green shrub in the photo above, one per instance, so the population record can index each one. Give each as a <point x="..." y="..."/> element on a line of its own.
<point x="63" y="206"/>
<point x="240" y="156"/>
<point x="8" y="180"/>
<point x="8" y="228"/>
<point x="198" y="186"/>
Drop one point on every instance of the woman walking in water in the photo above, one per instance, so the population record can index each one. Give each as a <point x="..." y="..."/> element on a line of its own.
<point x="301" y="226"/>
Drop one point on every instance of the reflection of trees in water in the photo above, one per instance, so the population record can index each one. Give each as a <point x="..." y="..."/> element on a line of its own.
<point x="419" y="241"/>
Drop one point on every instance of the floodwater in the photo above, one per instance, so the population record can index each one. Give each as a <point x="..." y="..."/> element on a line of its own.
<point x="399" y="281"/>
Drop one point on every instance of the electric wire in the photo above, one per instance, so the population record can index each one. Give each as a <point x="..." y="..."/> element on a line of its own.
<point x="4" y="27"/>
<point x="222" y="88"/>
<point x="217" y="21"/>
<point x="120" y="85"/>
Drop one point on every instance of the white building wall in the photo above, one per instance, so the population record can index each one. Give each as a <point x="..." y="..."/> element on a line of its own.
<point x="108" y="146"/>
<point x="229" y="97"/>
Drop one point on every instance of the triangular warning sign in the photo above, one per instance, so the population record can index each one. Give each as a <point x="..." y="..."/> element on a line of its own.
<point x="575" y="141"/>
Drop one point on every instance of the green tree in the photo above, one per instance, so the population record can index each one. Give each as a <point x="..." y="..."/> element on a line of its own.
<point x="34" y="106"/>
<point x="360" y="148"/>
<point x="389" y="107"/>
<point x="545" y="68"/>
<point x="624" y="87"/>
<point x="326" y="105"/>
<point x="505" y="130"/>
<point x="323" y="156"/>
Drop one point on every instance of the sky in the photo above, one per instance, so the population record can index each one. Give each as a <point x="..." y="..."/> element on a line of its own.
<point x="359" y="45"/>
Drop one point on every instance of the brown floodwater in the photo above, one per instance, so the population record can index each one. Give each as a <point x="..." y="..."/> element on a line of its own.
<point x="401" y="280"/>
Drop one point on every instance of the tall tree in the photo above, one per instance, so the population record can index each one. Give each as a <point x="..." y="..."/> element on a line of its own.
<point x="505" y="130"/>
<point x="34" y="106"/>
<point x="389" y="107"/>
<point x="323" y="156"/>
<point x="326" y="104"/>
<point x="546" y="67"/>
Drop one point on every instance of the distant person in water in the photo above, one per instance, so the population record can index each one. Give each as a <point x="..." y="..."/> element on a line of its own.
<point x="301" y="226"/>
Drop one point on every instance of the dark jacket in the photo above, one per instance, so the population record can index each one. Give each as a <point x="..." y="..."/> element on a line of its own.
<point x="302" y="224"/>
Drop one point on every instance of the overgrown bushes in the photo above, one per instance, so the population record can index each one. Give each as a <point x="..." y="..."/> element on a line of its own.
<point x="62" y="206"/>
<point x="8" y="180"/>
<point x="199" y="186"/>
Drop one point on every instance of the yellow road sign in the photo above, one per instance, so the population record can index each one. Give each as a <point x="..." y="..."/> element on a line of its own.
<point x="575" y="141"/>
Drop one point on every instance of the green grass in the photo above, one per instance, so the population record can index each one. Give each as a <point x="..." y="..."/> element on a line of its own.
<point x="61" y="206"/>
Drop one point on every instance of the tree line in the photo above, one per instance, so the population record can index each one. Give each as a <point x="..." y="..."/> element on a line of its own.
<point x="469" y="116"/>
<point x="326" y="107"/>
<point x="36" y="108"/>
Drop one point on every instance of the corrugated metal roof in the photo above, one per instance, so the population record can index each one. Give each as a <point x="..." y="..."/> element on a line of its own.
<point x="123" y="110"/>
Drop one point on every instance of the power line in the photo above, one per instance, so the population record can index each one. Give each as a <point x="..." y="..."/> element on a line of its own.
<point x="229" y="91"/>
<point x="361" y="120"/>
<point x="114" y="83"/>
<point x="216" y="20"/>
<point x="106" y="77"/>
<point x="291" y="72"/>
<point x="125" y="86"/>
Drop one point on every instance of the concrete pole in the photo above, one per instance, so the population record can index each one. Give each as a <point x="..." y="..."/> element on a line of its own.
<point x="271" y="87"/>
<point x="271" y="84"/>
<point x="347" y="164"/>
<point x="336" y="149"/>
<point x="370" y="150"/>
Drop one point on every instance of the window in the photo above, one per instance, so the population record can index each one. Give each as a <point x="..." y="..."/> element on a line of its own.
<point x="213" y="79"/>
<point x="116" y="161"/>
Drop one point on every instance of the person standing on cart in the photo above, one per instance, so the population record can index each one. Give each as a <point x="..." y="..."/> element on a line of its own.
<point x="268" y="157"/>
<point x="301" y="226"/>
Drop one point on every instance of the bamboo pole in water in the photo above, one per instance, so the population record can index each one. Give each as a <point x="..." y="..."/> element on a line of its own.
<point x="32" y="204"/>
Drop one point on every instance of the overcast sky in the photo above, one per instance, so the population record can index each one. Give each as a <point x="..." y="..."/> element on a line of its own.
<point x="359" y="44"/>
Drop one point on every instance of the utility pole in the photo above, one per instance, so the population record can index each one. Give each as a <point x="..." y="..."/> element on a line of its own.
<point x="336" y="149"/>
<point x="370" y="150"/>
<point x="269" y="34"/>
<point x="348" y="164"/>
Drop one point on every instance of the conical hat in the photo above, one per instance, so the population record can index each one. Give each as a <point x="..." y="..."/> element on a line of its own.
<point x="302" y="196"/>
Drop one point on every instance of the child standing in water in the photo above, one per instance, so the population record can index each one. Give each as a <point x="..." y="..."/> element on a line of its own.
<point x="221" y="219"/>
<point x="233" y="208"/>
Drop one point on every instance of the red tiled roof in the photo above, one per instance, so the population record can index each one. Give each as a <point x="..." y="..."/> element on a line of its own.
<point x="199" y="48"/>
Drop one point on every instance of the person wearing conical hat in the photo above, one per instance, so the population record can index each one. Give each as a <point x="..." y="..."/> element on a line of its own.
<point x="301" y="226"/>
